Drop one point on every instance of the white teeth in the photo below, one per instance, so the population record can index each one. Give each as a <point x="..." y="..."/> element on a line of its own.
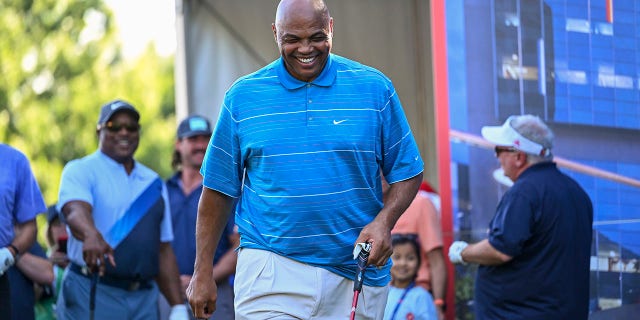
<point x="307" y="60"/>
<point x="123" y="143"/>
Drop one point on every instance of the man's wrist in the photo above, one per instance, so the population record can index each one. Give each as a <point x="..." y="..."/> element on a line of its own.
<point x="14" y="250"/>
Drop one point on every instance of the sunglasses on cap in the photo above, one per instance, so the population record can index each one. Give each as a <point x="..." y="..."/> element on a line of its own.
<point x="113" y="127"/>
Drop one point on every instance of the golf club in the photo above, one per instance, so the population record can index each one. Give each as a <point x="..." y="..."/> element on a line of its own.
<point x="362" y="251"/>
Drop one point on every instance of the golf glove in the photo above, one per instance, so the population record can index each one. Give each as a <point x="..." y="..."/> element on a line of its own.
<point x="455" y="252"/>
<point x="6" y="260"/>
<point x="179" y="312"/>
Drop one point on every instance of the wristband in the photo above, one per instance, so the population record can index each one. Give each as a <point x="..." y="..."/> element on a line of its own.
<point x="17" y="252"/>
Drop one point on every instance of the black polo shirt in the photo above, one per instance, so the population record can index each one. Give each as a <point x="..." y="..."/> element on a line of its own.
<point x="544" y="222"/>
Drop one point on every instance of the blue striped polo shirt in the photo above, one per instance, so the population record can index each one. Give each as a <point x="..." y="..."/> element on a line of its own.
<point x="312" y="153"/>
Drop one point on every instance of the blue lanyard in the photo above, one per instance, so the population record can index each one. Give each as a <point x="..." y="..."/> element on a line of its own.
<point x="404" y="294"/>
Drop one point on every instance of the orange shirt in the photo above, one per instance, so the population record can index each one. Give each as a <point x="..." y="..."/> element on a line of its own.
<point x="421" y="218"/>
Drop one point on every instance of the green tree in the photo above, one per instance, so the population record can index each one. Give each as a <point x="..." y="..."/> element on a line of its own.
<point x="60" y="61"/>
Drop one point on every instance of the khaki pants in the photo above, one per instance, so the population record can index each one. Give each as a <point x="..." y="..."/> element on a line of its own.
<point x="269" y="286"/>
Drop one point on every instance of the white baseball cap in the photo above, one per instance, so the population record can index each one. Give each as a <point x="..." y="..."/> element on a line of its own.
<point x="507" y="136"/>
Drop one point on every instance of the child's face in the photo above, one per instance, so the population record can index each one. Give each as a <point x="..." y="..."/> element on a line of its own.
<point x="405" y="263"/>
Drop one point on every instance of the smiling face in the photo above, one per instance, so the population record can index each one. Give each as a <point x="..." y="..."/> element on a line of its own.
<point x="192" y="150"/>
<point x="119" y="137"/>
<point x="405" y="264"/>
<point x="303" y="32"/>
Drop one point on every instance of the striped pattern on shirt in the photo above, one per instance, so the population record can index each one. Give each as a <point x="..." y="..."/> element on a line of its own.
<point x="312" y="152"/>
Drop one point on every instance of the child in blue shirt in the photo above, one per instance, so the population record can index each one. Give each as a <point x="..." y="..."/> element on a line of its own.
<point x="406" y="301"/>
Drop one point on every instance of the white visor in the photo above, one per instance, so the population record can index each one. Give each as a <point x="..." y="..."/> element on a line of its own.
<point x="506" y="136"/>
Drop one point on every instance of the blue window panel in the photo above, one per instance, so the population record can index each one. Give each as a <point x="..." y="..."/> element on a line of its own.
<point x="579" y="62"/>
<point x="561" y="115"/>
<point x="627" y="30"/>
<point x="605" y="119"/>
<point x="584" y="180"/>
<point x="561" y="56"/>
<point x="610" y="196"/>
<point x="627" y="121"/>
<point x="556" y="4"/>
<point x="600" y="53"/>
<point x="578" y="10"/>
<point x="625" y="56"/>
<point x="604" y="94"/>
<point x="581" y="117"/>
<point x="597" y="6"/>
<point x="460" y="153"/>
<point x="562" y="102"/>
<point x="624" y="43"/>
<point x="621" y="5"/>
<point x="605" y="183"/>
<point x="603" y="106"/>
<point x="627" y="95"/>
<point x="629" y="169"/>
<point x="626" y="69"/>
<point x="626" y="108"/>
<point x="581" y="104"/>
<point x="626" y="17"/>
<point x="630" y="198"/>
<point x="605" y="212"/>
<point x="577" y="90"/>
<point x="606" y="165"/>
<point x="601" y="41"/>
<point x="577" y="39"/>
<point x="561" y="89"/>
<point x="560" y="37"/>
<point x="627" y="187"/>
<point x="628" y="212"/>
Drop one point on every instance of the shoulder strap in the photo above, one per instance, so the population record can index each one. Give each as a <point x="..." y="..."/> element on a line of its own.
<point x="136" y="211"/>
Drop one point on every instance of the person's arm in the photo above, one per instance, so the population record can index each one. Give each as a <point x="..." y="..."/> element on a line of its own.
<point x="226" y="266"/>
<point x="95" y="250"/>
<point x="378" y="232"/>
<point x="484" y="253"/>
<point x="438" y="270"/>
<point x="37" y="269"/>
<point x="214" y="210"/>
<point x="168" y="278"/>
<point x="25" y="236"/>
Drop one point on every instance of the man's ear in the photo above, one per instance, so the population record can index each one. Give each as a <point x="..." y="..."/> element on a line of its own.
<point x="275" y="32"/>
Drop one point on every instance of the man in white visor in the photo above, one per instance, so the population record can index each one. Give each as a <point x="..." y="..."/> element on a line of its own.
<point x="535" y="262"/>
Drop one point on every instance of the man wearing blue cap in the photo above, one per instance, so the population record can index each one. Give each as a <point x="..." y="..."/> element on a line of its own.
<point x="117" y="210"/>
<point x="185" y="188"/>
<point x="535" y="262"/>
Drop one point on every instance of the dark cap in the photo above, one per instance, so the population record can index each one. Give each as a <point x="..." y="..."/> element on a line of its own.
<point x="110" y="108"/>
<point x="52" y="213"/>
<point x="193" y="126"/>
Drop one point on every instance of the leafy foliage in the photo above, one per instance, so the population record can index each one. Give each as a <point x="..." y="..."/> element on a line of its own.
<point x="60" y="61"/>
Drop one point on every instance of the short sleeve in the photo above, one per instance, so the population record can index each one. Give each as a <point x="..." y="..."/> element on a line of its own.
<point x="511" y="226"/>
<point x="75" y="185"/>
<point x="222" y="167"/>
<point x="400" y="155"/>
<point x="166" y="229"/>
